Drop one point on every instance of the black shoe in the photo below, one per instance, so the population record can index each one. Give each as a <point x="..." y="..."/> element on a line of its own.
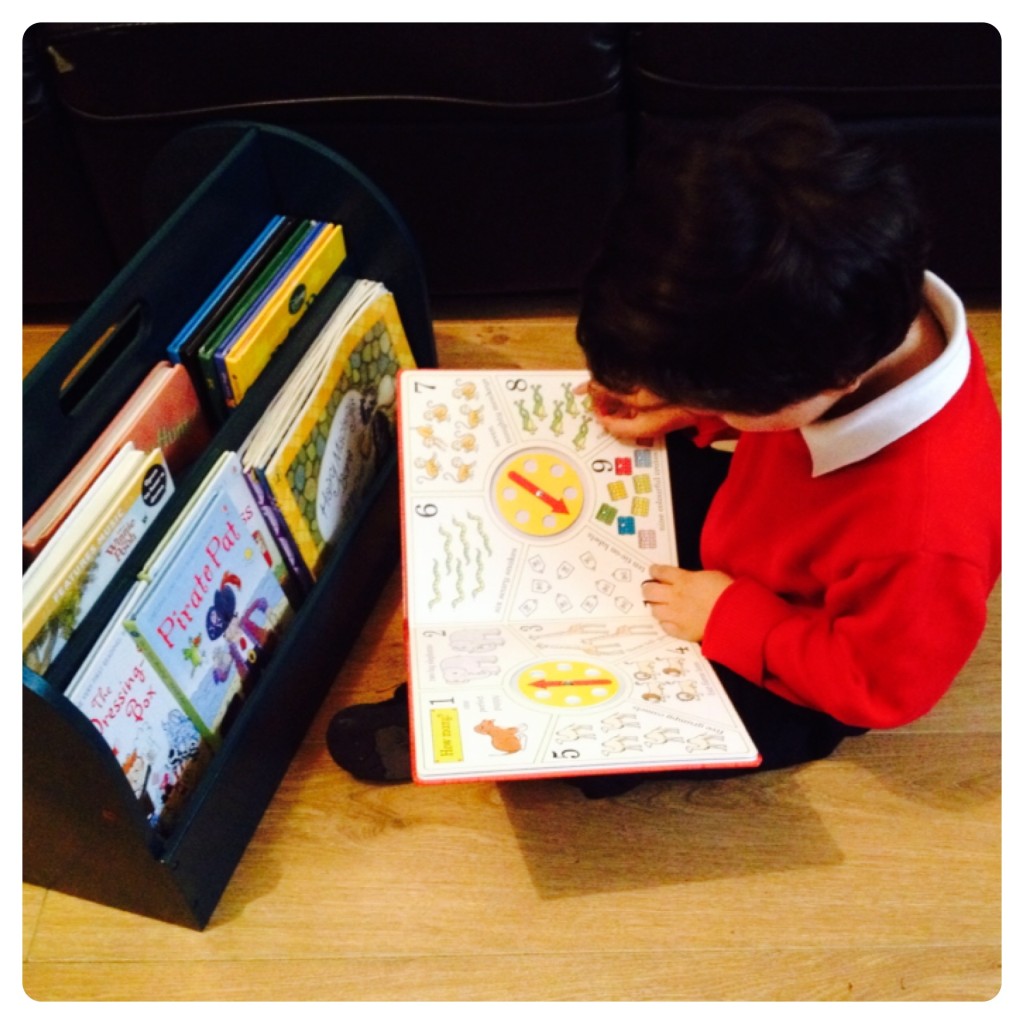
<point x="602" y="787"/>
<point x="371" y="741"/>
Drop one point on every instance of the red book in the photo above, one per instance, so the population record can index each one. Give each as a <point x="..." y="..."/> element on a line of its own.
<point x="164" y="413"/>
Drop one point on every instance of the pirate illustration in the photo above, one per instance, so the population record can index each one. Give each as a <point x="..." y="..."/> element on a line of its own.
<point x="244" y="638"/>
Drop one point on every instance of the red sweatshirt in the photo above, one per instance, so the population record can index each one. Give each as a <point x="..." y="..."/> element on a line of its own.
<point x="864" y="548"/>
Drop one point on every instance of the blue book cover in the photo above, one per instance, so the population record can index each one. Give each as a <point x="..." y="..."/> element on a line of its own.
<point x="174" y="349"/>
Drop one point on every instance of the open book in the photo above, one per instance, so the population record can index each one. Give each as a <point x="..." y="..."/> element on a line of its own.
<point x="527" y="533"/>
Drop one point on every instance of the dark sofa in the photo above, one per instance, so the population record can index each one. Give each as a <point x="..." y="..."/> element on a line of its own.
<point x="502" y="146"/>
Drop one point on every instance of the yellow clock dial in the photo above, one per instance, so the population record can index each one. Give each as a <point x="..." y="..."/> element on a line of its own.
<point x="568" y="684"/>
<point x="538" y="492"/>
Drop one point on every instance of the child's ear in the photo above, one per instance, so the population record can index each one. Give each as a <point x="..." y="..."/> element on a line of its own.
<point x="847" y="389"/>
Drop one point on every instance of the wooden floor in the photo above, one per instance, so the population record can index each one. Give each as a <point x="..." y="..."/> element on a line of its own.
<point x="874" y="875"/>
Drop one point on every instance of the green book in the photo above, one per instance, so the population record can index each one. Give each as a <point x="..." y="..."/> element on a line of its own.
<point x="252" y="295"/>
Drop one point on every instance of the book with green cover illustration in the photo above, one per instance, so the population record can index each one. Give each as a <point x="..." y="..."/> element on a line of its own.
<point x="329" y="439"/>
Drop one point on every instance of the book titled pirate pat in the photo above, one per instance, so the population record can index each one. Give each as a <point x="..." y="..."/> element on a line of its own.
<point x="527" y="532"/>
<point x="211" y="603"/>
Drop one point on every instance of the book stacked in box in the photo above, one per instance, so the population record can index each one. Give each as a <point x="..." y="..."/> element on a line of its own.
<point x="160" y="833"/>
<point x="167" y="676"/>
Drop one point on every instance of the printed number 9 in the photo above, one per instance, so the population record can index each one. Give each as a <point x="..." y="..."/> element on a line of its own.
<point x="428" y="510"/>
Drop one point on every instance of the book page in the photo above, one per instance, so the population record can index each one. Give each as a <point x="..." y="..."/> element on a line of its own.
<point x="527" y="534"/>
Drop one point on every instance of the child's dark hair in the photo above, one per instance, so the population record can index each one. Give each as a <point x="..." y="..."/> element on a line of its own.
<point x="755" y="269"/>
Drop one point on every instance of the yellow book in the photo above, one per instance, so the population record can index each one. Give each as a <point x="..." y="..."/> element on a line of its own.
<point x="345" y="429"/>
<point x="250" y="353"/>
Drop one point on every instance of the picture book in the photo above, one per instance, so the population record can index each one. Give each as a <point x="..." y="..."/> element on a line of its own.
<point x="246" y="356"/>
<point x="163" y="412"/>
<point x="232" y="285"/>
<point x="323" y="441"/>
<point x="78" y="521"/>
<point x="74" y="569"/>
<point x="527" y="533"/>
<point x="210" y="603"/>
<point x="156" y="743"/>
<point x="186" y="346"/>
<point x="247" y="303"/>
<point x="229" y="475"/>
<point x="269" y="295"/>
<point x="265" y="437"/>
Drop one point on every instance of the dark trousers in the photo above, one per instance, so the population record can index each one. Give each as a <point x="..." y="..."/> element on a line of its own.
<point x="786" y="734"/>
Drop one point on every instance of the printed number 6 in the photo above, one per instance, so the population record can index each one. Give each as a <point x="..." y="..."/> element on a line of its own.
<point x="428" y="510"/>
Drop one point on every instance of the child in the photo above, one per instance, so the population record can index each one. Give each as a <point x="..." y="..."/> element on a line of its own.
<point x="770" y="285"/>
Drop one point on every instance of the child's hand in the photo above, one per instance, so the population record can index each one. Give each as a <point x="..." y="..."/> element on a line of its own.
<point x="682" y="601"/>
<point x="635" y="415"/>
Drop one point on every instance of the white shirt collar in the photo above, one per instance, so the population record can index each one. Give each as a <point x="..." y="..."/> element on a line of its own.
<point x="847" y="439"/>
